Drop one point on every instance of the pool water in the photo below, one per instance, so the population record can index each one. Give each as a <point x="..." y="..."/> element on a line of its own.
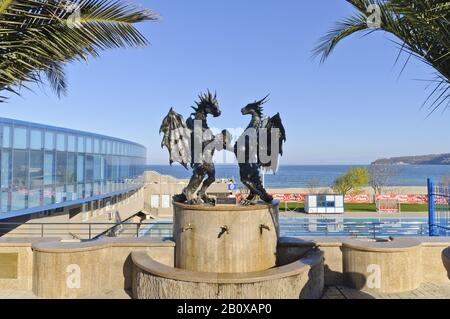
<point x="351" y="227"/>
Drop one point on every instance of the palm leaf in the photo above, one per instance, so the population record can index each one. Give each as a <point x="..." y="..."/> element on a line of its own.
<point x="38" y="37"/>
<point x="421" y="28"/>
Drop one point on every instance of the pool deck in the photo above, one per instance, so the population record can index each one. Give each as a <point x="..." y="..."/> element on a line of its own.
<point x="356" y="215"/>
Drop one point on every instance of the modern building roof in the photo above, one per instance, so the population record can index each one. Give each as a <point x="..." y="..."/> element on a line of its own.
<point x="64" y="130"/>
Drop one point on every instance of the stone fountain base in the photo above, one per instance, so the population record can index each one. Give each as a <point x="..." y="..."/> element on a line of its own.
<point x="227" y="251"/>
<point x="225" y="238"/>
<point x="301" y="279"/>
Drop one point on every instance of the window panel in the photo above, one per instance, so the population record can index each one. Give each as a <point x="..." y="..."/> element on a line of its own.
<point x="4" y="205"/>
<point x="20" y="169"/>
<point x="80" y="190"/>
<point x="96" y="146"/>
<point x="36" y="169"/>
<point x="80" y="168"/>
<point x="97" y="168"/>
<point x="35" y="139"/>
<point x="87" y="190"/>
<point x="80" y="144"/>
<point x="70" y="192"/>
<point x="96" y="190"/>
<point x="48" y="196"/>
<point x="61" y="168"/>
<point x="6" y="168"/>
<point x="49" y="143"/>
<point x="71" y="168"/>
<point x="18" y="200"/>
<point x="88" y="145"/>
<point x="60" y="142"/>
<point x="48" y="168"/>
<point x="154" y="201"/>
<point x="71" y="143"/>
<point x="6" y="136"/>
<point x="34" y="198"/>
<point x="20" y="138"/>
<point x="89" y="168"/>
<point x="59" y="194"/>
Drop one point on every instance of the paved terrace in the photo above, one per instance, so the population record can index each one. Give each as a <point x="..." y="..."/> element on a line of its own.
<point x="425" y="291"/>
<point x="435" y="283"/>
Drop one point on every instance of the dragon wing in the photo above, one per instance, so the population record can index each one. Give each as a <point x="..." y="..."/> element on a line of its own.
<point x="176" y="138"/>
<point x="274" y="131"/>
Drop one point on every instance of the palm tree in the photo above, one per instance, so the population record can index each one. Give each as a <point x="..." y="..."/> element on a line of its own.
<point x="421" y="28"/>
<point x="38" y="37"/>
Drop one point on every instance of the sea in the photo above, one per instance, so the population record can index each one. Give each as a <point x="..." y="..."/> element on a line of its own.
<point x="295" y="176"/>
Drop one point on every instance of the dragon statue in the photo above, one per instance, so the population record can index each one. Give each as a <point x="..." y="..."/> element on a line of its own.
<point x="260" y="153"/>
<point x="192" y="142"/>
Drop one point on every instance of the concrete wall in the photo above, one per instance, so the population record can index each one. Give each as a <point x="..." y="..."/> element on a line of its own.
<point x="434" y="271"/>
<point x="73" y="270"/>
<point x="383" y="267"/>
<point x="301" y="279"/>
<point x="431" y="259"/>
<point x="20" y="278"/>
<point x="106" y="264"/>
<point x="292" y="248"/>
<point x="49" y="267"/>
<point x="161" y="185"/>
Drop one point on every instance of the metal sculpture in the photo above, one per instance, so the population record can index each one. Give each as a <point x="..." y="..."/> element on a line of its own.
<point x="191" y="142"/>
<point x="258" y="148"/>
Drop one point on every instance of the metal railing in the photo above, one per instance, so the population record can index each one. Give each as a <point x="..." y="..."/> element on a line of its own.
<point x="354" y="229"/>
<point x="438" y="208"/>
<point x="440" y="230"/>
<point x="88" y="231"/>
<point x="83" y="231"/>
<point x="326" y="229"/>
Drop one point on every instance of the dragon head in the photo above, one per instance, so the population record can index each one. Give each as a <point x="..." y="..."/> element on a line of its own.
<point x="255" y="107"/>
<point x="208" y="104"/>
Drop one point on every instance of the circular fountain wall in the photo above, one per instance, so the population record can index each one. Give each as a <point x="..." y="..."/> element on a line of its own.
<point x="227" y="251"/>
<point x="225" y="239"/>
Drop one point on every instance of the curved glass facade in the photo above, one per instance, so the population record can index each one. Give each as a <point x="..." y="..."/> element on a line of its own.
<point x="43" y="165"/>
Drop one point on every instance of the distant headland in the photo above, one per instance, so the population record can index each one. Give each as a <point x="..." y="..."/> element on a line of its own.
<point x="434" y="159"/>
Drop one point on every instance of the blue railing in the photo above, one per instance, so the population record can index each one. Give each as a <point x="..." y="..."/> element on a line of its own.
<point x="322" y="229"/>
<point x="438" y="208"/>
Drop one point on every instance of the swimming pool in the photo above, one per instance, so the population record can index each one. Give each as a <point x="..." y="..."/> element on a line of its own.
<point x="348" y="227"/>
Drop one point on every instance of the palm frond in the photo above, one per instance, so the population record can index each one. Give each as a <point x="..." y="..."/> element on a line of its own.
<point x="41" y="36"/>
<point x="421" y="27"/>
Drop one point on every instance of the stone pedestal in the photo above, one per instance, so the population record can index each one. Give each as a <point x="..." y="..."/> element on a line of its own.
<point x="382" y="267"/>
<point x="225" y="238"/>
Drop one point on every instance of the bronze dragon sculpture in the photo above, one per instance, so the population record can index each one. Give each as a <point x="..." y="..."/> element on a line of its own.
<point x="258" y="148"/>
<point x="192" y="142"/>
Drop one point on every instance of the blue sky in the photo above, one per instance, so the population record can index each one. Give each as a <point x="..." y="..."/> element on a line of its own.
<point x="351" y="110"/>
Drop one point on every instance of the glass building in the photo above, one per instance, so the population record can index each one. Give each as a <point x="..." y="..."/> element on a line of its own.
<point x="44" y="167"/>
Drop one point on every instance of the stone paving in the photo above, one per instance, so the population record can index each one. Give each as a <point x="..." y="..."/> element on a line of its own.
<point x="425" y="291"/>
<point x="23" y="294"/>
